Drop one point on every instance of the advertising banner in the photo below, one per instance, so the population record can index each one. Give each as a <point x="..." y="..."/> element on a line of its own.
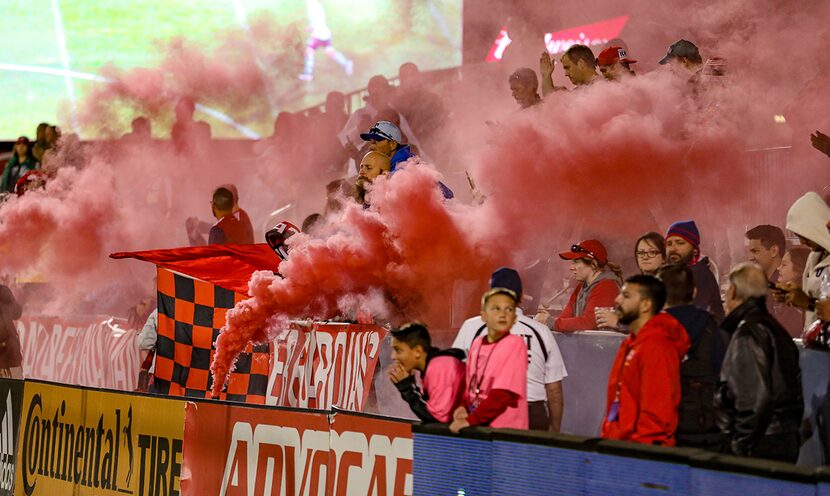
<point x="369" y="456"/>
<point x="94" y="352"/>
<point x="329" y="365"/>
<point x="254" y="451"/>
<point x="11" y="397"/>
<point x="79" y="441"/>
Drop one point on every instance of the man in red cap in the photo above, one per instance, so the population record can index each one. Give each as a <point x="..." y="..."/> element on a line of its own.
<point x="614" y="64"/>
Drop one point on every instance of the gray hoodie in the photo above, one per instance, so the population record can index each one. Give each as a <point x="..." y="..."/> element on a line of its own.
<point x="808" y="217"/>
<point x="585" y="292"/>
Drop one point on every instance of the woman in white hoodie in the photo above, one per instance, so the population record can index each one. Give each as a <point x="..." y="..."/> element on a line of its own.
<point x="808" y="218"/>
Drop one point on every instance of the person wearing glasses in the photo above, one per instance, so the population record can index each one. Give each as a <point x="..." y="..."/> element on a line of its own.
<point x="598" y="285"/>
<point x="650" y="255"/>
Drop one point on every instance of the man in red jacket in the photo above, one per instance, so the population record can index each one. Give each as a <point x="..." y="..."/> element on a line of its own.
<point x="644" y="386"/>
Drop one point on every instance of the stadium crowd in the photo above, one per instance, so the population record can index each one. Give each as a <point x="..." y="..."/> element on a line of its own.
<point x="697" y="368"/>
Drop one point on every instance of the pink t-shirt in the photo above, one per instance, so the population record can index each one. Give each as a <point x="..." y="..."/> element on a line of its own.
<point x="444" y="386"/>
<point x="499" y="365"/>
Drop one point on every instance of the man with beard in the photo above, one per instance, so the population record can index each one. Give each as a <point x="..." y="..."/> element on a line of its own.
<point x="373" y="165"/>
<point x="683" y="246"/>
<point x="643" y="393"/>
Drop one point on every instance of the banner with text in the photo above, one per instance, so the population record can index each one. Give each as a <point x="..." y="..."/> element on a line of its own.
<point x="369" y="456"/>
<point x="95" y="352"/>
<point x="250" y="450"/>
<point x="79" y="441"/>
<point x="11" y="398"/>
<point x="329" y="365"/>
<point x="268" y="451"/>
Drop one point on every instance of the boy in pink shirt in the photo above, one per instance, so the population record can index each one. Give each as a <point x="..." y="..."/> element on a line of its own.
<point x="496" y="392"/>
<point x="442" y="373"/>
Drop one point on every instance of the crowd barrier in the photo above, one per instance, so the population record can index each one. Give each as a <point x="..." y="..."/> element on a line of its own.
<point x="486" y="462"/>
<point x="58" y="439"/>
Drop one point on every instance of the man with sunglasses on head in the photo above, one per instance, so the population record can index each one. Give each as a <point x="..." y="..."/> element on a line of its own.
<point x="385" y="138"/>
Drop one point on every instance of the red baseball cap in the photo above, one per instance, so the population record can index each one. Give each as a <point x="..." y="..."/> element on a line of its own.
<point x="590" y="248"/>
<point x="613" y="54"/>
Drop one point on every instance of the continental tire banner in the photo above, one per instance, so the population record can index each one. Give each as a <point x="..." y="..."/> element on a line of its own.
<point x="330" y="365"/>
<point x="11" y="397"/>
<point x="247" y="450"/>
<point x="369" y="456"/>
<point x="95" y="351"/>
<point x="79" y="441"/>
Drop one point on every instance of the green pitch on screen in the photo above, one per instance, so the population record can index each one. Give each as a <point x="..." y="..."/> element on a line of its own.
<point x="75" y="38"/>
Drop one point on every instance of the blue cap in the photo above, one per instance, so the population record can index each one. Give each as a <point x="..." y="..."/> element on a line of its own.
<point x="505" y="277"/>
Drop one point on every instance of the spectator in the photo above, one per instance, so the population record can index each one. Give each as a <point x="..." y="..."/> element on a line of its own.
<point x="41" y="142"/>
<point x="141" y="131"/>
<point x="385" y="138"/>
<point x="145" y="341"/>
<point x="184" y="124"/>
<point x="442" y="374"/>
<point x="545" y="368"/>
<point x="792" y="265"/>
<point x="758" y="402"/>
<point x="196" y="228"/>
<point x="614" y="64"/>
<point x="40" y="145"/>
<point x="373" y="165"/>
<point x="21" y="162"/>
<point x="11" y="358"/>
<point x="229" y="229"/>
<point x="644" y="393"/>
<point x="683" y="54"/>
<point x="598" y="283"/>
<point x="580" y="65"/>
<point x="821" y="142"/>
<point x="524" y="85"/>
<point x="700" y="368"/>
<point x="767" y="246"/>
<point x="808" y="218"/>
<point x="496" y="379"/>
<point x="650" y="255"/>
<point x="683" y="246"/>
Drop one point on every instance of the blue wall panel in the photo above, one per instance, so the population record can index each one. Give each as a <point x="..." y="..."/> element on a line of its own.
<point x="731" y="484"/>
<point x="531" y="470"/>
<point x="609" y="474"/>
<point x="452" y="466"/>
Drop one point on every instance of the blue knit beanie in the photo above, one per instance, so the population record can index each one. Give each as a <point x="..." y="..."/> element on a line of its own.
<point x="686" y="229"/>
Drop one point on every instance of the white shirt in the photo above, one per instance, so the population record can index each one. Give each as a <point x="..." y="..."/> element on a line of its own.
<point x="539" y="371"/>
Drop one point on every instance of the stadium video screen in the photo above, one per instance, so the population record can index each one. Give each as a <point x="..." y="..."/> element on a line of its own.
<point x="53" y="53"/>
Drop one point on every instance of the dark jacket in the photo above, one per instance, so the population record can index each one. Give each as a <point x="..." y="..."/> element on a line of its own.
<point x="759" y="391"/>
<point x="708" y="290"/>
<point x="419" y="401"/>
<point x="10" y="310"/>
<point x="15" y="169"/>
<point x="403" y="154"/>
<point x="699" y="373"/>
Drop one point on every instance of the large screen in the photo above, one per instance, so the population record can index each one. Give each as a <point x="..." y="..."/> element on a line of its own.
<point x="52" y="51"/>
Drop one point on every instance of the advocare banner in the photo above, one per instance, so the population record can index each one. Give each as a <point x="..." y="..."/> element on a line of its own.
<point x="79" y="441"/>
<point x="240" y="450"/>
<point x="11" y="397"/>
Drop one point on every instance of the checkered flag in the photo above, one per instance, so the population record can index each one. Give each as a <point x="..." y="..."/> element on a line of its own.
<point x="190" y="314"/>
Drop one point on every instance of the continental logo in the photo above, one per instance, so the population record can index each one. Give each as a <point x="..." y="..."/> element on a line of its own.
<point x="99" y="456"/>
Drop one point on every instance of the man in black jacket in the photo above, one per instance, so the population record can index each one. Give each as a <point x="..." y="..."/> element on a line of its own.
<point x="758" y="401"/>
<point x="700" y="368"/>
